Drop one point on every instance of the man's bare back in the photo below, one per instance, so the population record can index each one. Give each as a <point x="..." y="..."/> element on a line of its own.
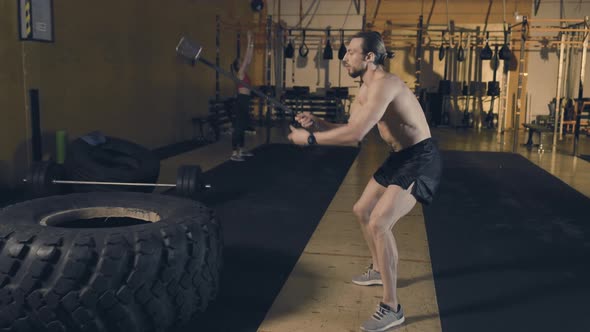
<point x="403" y="124"/>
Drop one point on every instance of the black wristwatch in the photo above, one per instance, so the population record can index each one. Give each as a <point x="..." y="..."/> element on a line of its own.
<point x="311" y="139"/>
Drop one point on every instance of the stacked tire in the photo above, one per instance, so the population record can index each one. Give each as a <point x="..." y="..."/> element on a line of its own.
<point x="111" y="160"/>
<point x="56" y="275"/>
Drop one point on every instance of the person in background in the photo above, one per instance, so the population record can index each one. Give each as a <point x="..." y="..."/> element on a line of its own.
<point x="242" y="105"/>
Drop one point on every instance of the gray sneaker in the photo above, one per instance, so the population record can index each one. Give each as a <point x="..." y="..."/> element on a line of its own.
<point x="384" y="318"/>
<point x="246" y="154"/>
<point x="236" y="157"/>
<point x="371" y="277"/>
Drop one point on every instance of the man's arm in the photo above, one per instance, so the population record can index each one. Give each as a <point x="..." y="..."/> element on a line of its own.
<point x="313" y="122"/>
<point x="379" y="96"/>
<point x="323" y="125"/>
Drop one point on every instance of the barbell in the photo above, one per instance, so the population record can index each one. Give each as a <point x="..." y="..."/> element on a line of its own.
<point x="46" y="178"/>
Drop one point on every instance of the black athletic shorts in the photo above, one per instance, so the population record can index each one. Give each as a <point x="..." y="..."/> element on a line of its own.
<point x="419" y="164"/>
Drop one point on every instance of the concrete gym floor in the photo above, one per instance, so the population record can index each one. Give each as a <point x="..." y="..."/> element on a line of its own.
<point x="318" y="295"/>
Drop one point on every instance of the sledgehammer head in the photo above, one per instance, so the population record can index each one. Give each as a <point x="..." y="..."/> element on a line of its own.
<point x="188" y="49"/>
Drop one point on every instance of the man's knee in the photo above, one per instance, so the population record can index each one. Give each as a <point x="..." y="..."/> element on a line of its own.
<point x="361" y="212"/>
<point x="378" y="226"/>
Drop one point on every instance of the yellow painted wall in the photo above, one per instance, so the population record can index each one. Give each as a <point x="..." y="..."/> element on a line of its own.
<point x="13" y="123"/>
<point x="111" y="68"/>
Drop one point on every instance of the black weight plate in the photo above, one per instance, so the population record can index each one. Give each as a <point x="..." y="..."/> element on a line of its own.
<point x="41" y="176"/>
<point x="41" y="188"/>
<point x="34" y="186"/>
<point x="196" y="175"/>
<point x="180" y="179"/>
<point x="186" y="190"/>
<point x="193" y="180"/>
<point x="188" y="179"/>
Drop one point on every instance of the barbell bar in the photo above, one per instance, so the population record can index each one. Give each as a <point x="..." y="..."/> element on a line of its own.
<point x="45" y="178"/>
<point x="113" y="183"/>
<point x="190" y="51"/>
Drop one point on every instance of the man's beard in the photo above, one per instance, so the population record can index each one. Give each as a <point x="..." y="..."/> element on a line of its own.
<point x="356" y="72"/>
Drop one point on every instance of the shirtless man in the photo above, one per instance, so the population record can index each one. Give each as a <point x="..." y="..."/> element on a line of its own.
<point x="411" y="172"/>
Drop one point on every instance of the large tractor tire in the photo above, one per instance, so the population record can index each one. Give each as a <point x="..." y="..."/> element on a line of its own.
<point x="107" y="262"/>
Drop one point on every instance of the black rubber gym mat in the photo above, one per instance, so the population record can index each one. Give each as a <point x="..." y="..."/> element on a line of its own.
<point x="269" y="207"/>
<point x="510" y="246"/>
<point x="175" y="149"/>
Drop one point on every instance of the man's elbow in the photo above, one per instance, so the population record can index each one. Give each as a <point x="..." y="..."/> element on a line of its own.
<point x="354" y="144"/>
<point x="356" y="137"/>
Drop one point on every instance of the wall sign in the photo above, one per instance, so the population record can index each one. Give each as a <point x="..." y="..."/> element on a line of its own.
<point x="35" y="19"/>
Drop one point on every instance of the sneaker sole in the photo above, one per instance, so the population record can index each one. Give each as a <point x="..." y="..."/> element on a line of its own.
<point x="368" y="283"/>
<point x="387" y="327"/>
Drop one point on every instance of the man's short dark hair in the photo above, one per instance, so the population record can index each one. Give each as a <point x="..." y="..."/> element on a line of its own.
<point x="372" y="42"/>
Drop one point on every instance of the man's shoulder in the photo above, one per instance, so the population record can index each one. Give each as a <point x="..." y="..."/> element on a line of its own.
<point x="389" y="79"/>
<point x="394" y="79"/>
<point x="387" y="82"/>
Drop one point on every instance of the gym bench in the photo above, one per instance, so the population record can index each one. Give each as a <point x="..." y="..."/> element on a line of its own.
<point x="540" y="130"/>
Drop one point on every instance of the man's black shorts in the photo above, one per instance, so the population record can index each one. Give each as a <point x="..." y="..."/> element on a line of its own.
<point x="420" y="164"/>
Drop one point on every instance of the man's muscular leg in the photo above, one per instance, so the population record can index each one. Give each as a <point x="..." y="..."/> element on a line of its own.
<point x="363" y="208"/>
<point x="391" y="207"/>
